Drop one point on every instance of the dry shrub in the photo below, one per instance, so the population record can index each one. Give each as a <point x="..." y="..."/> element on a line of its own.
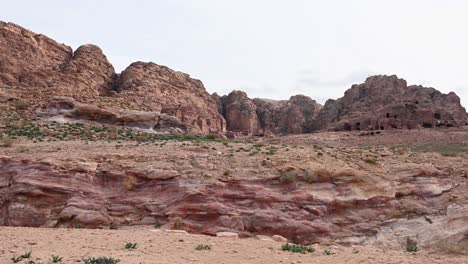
<point x="179" y="224"/>
<point x="285" y="179"/>
<point x="21" y="105"/>
<point x="130" y="182"/>
<point x="6" y="142"/>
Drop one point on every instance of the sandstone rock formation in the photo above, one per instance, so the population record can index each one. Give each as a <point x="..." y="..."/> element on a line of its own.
<point x="386" y="102"/>
<point x="294" y="116"/>
<point x="67" y="109"/>
<point x="158" y="88"/>
<point x="37" y="62"/>
<point x="344" y="205"/>
<point x="240" y="113"/>
<point x="46" y="68"/>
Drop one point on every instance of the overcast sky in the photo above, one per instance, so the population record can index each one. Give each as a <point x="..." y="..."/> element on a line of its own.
<point x="269" y="48"/>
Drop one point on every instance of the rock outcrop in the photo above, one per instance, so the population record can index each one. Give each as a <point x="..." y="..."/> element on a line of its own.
<point x="34" y="61"/>
<point x="158" y="88"/>
<point x="66" y="109"/>
<point x="240" y="113"/>
<point x="344" y="206"/>
<point x="250" y="116"/>
<point x="386" y="102"/>
<point x="46" y="68"/>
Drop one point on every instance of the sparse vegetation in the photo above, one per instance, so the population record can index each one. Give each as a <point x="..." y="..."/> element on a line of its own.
<point x="21" y="105"/>
<point x="100" y="260"/>
<point x="25" y="255"/>
<point x="411" y="245"/>
<point x="16" y="259"/>
<point x="54" y="131"/>
<point x="131" y="245"/>
<point x="412" y="248"/>
<point x="328" y="252"/>
<point x="288" y="178"/>
<point x="202" y="247"/>
<point x="297" y="248"/>
<point x="55" y="259"/>
<point x="447" y="150"/>
<point x="371" y="161"/>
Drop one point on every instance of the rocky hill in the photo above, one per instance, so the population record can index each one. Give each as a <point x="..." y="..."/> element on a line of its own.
<point x="387" y="102"/>
<point x="38" y="69"/>
<point x="45" y="68"/>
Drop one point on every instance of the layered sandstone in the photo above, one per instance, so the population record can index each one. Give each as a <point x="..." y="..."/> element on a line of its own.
<point x="386" y="102"/>
<point x="315" y="193"/>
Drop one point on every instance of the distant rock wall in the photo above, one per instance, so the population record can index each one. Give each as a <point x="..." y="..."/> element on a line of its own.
<point x="257" y="116"/>
<point x="42" y="65"/>
<point x="387" y="102"/>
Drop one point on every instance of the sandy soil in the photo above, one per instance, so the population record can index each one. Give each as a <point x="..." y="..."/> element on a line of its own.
<point x="156" y="246"/>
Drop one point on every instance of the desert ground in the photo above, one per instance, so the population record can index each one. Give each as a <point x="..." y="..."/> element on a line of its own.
<point x="155" y="246"/>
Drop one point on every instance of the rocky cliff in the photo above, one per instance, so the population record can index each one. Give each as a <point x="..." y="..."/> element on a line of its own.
<point x="321" y="192"/>
<point x="387" y="102"/>
<point x="250" y="116"/>
<point x="46" y="68"/>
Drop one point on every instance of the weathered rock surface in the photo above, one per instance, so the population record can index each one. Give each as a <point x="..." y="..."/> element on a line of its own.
<point x="385" y="102"/>
<point x="35" y="61"/>
<point x="251" y="116"/>
<point x="240" y="113"/>
<point x="347" y="206"/>
<point x="67" y="109"/>
<point x="158" y="88"/>
<point x="46" y="68"/>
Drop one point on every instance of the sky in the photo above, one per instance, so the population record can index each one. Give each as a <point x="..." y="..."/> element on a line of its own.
<point x="268" y="48"/>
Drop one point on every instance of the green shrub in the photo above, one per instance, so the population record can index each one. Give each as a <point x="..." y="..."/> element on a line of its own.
<point x="297" y="248"/>
<point x="56" y="259"/>
<point x="131" y="245"/>
<point x="16" y="259"/>
<point x="100" y="260"/>
<point x="202" y="247"/>
<point x="26" y="255"/>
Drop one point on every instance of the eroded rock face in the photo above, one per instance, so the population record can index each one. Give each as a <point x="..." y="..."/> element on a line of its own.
<point x="67" y="109"/>
<point x="345" y="205"/>
<point x="240" y="113"/>
<point x="386" y="102"/>
<point x="35" y="61"/>
<point x="298" y="115"/>
<point x="161" y="89"/>
<point x="46" y="68"/>
<point x="250" y="116"/>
